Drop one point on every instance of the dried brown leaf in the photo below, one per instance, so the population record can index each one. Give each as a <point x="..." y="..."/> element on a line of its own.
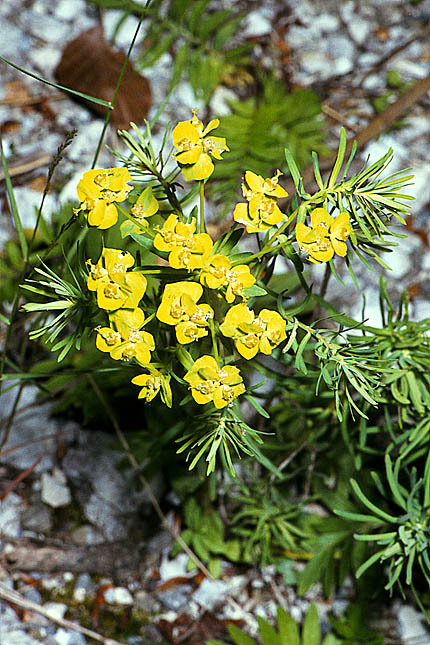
<point x="90" y="65"/>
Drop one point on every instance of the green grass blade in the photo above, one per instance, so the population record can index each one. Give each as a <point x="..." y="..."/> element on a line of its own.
<point x="59" y="87"/>
<point x="13" y="205"/>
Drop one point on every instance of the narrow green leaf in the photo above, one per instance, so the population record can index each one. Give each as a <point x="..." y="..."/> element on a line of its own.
<point x="311" y="629"/>
<point x="385" y="516"/>
<point x="288" y="630"/>
<point x="59" y="87"/>
<point x="13" y="205"/>
<point x="339" y="159"/>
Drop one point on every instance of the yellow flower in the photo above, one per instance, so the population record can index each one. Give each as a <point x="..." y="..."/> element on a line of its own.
<point x="208" y="382"/>
<point x="126" y="293"/>
<point x="124" y="320"/>
<point x="127" y="341"/>
<point x="178" y="307"/>
<point x="115" y="287"/>
<point x="326" y="237"/>
<point x="112" y="264"/>
<point x="261" y="212"/>
<point x="217" y="273"/>
<point x="138" y="345"/>
<point x="187" y="250"/>
<point x="97" y="190"/>
<point x="195" y="147"/>
<point x="107" y="339"/>
<point x="253" y="334"/>
<point x="150" y="384"/>
<point x="146" y="205"/>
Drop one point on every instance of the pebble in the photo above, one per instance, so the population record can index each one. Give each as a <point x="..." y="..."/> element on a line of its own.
<point x="118" y="596"/>
<point x="87" y="535"/>
<point x="68" y="637"/>
<point x="211" y="593"/>
<point x="411" y="625"/>
<point x="83" y="587"/>
<point x="55" y="609"/>
<point x="37" y="517"/>
<point x="175" y="568"/>
<point x="10" y="511"/>
<point x="176" y="597"/>
<point x="55" y="492"/>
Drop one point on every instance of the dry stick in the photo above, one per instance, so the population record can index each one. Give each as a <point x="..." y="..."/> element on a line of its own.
<point x="18" y="479"/>
<point x="14" y="597"/>
<point x="373" y="130"/>
<point x="27" y="166"/>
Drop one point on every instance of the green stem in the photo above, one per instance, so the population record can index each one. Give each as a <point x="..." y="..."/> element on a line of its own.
<point x="214" y="343"/>
<point x="260" y="254"/>
<point x="202" y="206"/>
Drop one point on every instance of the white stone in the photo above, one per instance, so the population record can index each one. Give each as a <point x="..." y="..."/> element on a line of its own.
<point x="211" y="593"/>
<point x="411" y="626"/>
<point x="325" y="23"/>
<point x="359" y="29"/>
<point x="55" y="492"/>
<point x="256" y="24"/>
<point x="69" y="9"/>
<point x="55" y="609"/>
<point x="10" y="510"/>
<point x="28" y="201"/>
<point x="174" y="568"/>
<point x="69" y="637"/>
<point x="118" y="596"/>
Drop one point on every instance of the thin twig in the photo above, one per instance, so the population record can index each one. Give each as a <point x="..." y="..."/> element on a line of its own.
<point x="14" y="597"/>
<point x="27" y="166"/>
<point x="18" y="479"/>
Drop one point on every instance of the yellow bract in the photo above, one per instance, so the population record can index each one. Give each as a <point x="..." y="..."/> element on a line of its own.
<point x="150" y="384"/>
<point x="208" y="382"/>
<point x="217" y="273"/>
<point x="97" y="190"/>
<point x="253" y="334"/>
<point x="261" y="212"/>
<point x="124" y="340"/>
<point x="326" y="237"/>
<point x="195" y="147"/>
<point x="116" y="288"/>
<point x="187" y="250"/>
<point x="178" y="307"/>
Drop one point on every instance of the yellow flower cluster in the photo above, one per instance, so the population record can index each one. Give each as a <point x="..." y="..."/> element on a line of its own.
<point x="195" y="147"/>
<point x="179" y="308"/>
<point x="261" y="212"/>
<point x="252" y="333"/>
<point x="187" y="249"/>
<point x="119" y="292"/>
<point x="208" y="382"/>
<point x="119" y="289"/>
<point x="98" y="190"/>
<point x="326" y="237"/>
<point x="218" y="273"/>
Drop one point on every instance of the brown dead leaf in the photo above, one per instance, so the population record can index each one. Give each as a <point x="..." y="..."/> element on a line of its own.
<point x="90" y="65"/>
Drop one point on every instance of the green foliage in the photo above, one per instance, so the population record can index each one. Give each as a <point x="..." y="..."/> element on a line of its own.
<point x="267" y="523"/>
<point x="405" y="538"/>
<point x="349" y="629"/>
<point x="205" y="534"/>
<point x="260" y="128"/>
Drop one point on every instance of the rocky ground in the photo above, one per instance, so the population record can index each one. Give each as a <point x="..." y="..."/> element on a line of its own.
<point x="75" y="531"/>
